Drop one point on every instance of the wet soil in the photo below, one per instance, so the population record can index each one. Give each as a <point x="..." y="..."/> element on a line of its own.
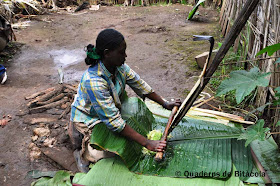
<point x="159" y="48"/>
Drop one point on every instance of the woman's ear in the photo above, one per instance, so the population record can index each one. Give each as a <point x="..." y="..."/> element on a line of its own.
<point x="106" y="52"/>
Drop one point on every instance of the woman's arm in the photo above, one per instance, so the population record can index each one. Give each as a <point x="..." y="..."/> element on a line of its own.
<point x="153" y="145"/>
<point x="166" y="104"/>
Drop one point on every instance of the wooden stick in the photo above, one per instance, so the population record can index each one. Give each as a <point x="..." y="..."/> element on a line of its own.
<point x="56" y="98"/>
<point x="205" y="101"/>
<point x="48" y="106"/>
<point x="245" y="61"/>
<point x="70" y="87"/>
<point x="159" y="155"/>
<point x="260" y="167"/>
<point x="66" y="111"/>
<point x="241" y="20"/>
<point x="214" y="107"/>
<point x="46" y="96"/>
<point x="40" y="93"/>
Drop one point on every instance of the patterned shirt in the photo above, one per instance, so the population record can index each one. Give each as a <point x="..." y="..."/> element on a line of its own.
<point x="98" y="98"/>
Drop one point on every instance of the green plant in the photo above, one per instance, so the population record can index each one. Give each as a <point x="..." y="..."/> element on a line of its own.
<point x="254" y="132"/>
<point x="193" y="11"/>
<point x="243" y="82"/>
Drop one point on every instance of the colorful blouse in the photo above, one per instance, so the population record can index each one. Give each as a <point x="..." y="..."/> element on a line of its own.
<point x="98" y="98"/>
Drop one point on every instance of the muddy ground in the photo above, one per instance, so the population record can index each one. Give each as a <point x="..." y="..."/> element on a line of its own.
<point x="159" y="48"/>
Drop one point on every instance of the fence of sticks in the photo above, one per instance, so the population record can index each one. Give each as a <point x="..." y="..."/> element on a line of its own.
<point x="262" y="30"/>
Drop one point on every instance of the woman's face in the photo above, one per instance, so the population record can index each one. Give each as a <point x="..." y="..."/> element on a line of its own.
<point x="117" y="57"/>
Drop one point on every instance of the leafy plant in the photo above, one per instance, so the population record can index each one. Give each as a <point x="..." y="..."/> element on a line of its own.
<point x="243" y="82"/>
<point x="270" y="50"/>
<point x="277" y="95"/>
<point x="254" y="132"/>
<point x="277" y="124"/>
<point x="192" y="12"/>
<point x="61" y="178"/>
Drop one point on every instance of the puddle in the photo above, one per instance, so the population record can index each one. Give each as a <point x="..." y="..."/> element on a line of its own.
<point x="34" y="61"/>
<point x="65" y="58"/>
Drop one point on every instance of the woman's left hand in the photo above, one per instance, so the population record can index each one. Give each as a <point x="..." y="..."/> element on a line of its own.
<point x="170" y="104"/>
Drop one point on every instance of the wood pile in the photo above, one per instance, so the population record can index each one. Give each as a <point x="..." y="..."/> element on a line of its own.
<point x="60" y="96"/>
<point x="47" y="114"/>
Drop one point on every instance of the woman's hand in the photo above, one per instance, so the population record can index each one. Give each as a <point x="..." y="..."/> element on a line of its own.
<point x="156" y="145"/>
<point x="170" y="104"/>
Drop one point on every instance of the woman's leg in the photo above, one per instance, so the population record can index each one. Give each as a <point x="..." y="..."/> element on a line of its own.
<point x="75" y="136"/>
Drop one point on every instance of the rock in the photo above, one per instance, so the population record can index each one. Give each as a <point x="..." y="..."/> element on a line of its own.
<point x="34" y="152"/>
<point x="49" y="142"/>
<point x="41" y="132"/>
<point x="34" y="138"/>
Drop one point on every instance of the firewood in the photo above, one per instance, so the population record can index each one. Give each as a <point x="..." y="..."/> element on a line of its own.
<point x="62" y="156"/>
<point x="40" y="93"/>
<point x="45" y="120"/>
<point x="45" y="97"/>
<point x="70" y="87"/>
<point x="56" y="98"/>
<point x="48" y="106"/>
<point x="66" y="111"/>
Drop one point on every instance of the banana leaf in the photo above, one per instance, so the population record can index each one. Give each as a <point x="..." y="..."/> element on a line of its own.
<point x="114" y="172"/>
<point x="192" y="158"/>
<point x="138" y="116"/>
<point x="268" y="154"/>
<point x="183" y="155"/>
<point x="61" y="178"/>
<point x="242" y="158"/>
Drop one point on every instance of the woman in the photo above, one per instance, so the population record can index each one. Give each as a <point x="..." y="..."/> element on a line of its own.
<point x="98" y="99"/>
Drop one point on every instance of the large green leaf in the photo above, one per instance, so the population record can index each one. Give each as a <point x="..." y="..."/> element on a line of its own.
<point x="241" y="157"/>
<point x="192" y="12"/>
<point x="61" y="178"/>
<point x="190" y="128"/>
<point x="44" y="181"/>
<point x="204" y="151"/>
<point x="254" y="132"/>
<point x="114" y="172"/>
<point x="268" y="154"/>
<point x="270" y="49"/>
<point x="39" y="174"/>
<point x="137" y="116"/>
<point x="192" y="158"/>
<point x="243" y="82"/>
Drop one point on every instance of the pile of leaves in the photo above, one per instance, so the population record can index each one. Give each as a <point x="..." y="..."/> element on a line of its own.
<point x="197" y="149"/>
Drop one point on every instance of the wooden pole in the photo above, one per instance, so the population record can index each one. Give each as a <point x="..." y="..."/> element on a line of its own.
<point x="240" y="22"/>
<point x="159" y="155"/>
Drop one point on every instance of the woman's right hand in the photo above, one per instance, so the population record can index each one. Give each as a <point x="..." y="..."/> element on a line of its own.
<point x="156" y="145"/>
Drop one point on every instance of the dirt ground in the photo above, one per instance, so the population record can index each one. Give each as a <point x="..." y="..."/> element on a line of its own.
<point x="159" y="48"/>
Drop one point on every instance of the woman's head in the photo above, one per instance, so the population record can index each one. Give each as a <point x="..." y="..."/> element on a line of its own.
<point x="107" y="42"/>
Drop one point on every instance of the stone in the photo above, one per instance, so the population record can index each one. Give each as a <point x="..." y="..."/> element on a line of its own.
<point x="41" y="132"/>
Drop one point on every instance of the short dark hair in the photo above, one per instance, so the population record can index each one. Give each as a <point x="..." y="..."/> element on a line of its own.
<point x="107" y="39"/>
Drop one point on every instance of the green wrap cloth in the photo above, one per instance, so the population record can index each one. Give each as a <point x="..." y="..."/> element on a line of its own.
<point x="93" y="54"/>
